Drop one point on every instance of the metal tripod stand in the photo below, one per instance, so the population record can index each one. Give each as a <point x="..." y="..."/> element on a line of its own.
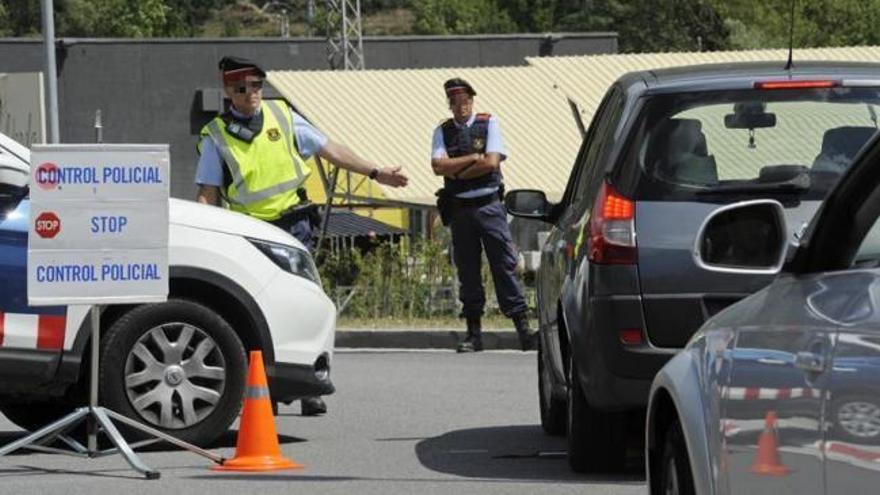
<point x="99" y="417"/>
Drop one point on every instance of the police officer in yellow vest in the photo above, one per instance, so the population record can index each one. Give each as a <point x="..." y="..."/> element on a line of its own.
<point x="253" y="158"/>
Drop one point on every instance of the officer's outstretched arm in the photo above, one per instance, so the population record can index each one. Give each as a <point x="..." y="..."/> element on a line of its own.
<point x="342" y="156"/>
<point x="489" y="162"/>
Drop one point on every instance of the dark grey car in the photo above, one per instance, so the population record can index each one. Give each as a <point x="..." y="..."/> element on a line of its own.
<point x="780" y="393"/>
<point x="618" y="290"/>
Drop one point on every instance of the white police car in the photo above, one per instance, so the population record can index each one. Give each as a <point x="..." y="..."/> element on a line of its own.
<point x="236" y="284"/>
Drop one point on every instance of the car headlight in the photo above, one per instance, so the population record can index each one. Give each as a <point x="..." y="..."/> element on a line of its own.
<point x="290" y="259"/>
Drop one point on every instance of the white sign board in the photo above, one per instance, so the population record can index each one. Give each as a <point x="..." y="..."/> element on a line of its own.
<point x="99" y="224"/>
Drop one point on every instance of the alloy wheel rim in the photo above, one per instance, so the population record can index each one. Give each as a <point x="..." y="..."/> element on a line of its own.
<point x="860" y="419"/>
<point x="671" y="487"/>
<point x="175" y="375"/>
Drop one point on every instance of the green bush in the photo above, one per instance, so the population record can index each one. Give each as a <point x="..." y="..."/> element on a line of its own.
<point x="408" y="280"/>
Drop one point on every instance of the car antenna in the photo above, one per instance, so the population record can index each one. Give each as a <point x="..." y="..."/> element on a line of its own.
<point x="790" y="37"/>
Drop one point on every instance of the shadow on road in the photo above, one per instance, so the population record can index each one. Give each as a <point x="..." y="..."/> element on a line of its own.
<point x="227" y="440"/>
<point x="513" y="453"/>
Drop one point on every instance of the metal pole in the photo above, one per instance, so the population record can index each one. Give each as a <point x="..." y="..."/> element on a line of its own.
<point x="361" y="63"/>
<point x="344" y="35"/>
<point x="51" y="81"/>
<point x="99" y="128"/>
<point x="93" y="385"/>
<point x="95" y="313"/>
<point x="310" y="17"/>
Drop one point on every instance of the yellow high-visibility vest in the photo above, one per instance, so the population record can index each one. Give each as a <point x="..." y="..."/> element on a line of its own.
<point x="265" y="172"/>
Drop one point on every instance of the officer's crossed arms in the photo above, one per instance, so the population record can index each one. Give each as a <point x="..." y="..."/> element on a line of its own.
<point x="469" y="166"/>
<point x="466" y="167"/>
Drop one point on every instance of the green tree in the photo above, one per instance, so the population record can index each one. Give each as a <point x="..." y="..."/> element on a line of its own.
<point x="5" y="23"/>
<point x="642" y="25"/>
<point x="184" y="18"/>
<point x="461" y="17"/>
<point x="841" y="22"/>
<point x="23" y="17"/>
<point x="654" y="25"/>
<point x="110" y="18"/>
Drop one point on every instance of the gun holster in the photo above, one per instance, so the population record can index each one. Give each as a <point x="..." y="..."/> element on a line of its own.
<point x="308" y="209"/>
<point x="314" y="212"/>
<point x="444" y="205"/>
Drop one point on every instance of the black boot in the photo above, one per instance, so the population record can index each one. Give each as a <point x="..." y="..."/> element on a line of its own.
<point x="473" y="342"/>
<point x="527" y="338"/>
<point x="313" y="406"/>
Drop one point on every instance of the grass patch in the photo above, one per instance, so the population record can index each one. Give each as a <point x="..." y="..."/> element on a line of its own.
<point x="490" y="322"/>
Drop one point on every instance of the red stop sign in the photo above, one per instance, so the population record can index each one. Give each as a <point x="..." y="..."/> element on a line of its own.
<point x="47" y="225"/>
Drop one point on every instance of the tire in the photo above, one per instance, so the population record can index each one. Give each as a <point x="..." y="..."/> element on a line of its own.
<point x="553" y="410"/>
<point x="675" y="467"/>
<point x="856" y="419"/>
<point x="32" y="416"/>
<point x="192" y="393"/>
<point x="596" y="440"/>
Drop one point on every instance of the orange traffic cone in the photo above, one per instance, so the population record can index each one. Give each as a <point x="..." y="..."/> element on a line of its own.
<point x="767" y="462"/>
<point x="257" y="447"/>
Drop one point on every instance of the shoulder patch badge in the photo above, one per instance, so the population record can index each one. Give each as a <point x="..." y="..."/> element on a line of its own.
<point x="273" y="134"/>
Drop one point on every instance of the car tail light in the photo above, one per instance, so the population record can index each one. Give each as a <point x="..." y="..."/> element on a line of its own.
<point x="795" y="84"/>
<point x="631" y="336"/>
<point x="612" y="228"/>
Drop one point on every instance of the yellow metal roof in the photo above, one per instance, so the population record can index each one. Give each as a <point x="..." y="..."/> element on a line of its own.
<point x="388" y="116"/>
<point x="585" y="79"/>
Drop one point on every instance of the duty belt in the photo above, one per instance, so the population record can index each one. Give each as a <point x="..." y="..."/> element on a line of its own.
<point x="293" y="215"/>
<point x="477" y="202"/>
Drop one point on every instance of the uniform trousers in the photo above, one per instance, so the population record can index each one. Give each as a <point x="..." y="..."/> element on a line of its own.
<point x="475" y="228"/>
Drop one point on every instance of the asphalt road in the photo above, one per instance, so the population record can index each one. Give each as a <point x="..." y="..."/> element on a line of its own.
<point x="401" y="422"/>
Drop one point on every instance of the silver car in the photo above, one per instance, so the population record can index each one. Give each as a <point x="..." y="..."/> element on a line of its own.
<point x="780" y="393"/>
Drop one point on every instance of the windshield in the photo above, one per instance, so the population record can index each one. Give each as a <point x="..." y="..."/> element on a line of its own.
<point x="781" y="142"/>
<point x="13" y="171"/>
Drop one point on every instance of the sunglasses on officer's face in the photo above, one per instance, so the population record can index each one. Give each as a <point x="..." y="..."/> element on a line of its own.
<point x="255" y="85"/>
<point x="457" y="100"/>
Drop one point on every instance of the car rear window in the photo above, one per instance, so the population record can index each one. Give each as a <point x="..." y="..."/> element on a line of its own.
<point x="719" y="144"/>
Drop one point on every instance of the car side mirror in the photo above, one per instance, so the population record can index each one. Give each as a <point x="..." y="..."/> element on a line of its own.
<point x="12" y="172"/>
<point x="527" y="203"/>
<point x="747" y="237"/>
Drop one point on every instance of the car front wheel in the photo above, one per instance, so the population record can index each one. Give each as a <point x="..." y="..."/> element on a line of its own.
<point x="176" y="366"/>
<point x="675" y="474"/>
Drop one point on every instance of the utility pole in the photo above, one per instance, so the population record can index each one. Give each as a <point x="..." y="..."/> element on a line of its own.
<point x="345" y="47"/>
<point x="283" y="19"/>
<point x="310" y="17"/>
<point x="285" y="24"/>
<point x="51" y="81"/>
<point x="345" y="51"/>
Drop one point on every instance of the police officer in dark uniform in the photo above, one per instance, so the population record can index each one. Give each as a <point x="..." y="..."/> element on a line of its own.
<point x="467" y="151"/>
<point x="254" y="158"/>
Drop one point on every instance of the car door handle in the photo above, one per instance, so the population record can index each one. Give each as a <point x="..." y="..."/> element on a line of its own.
<point x="809" y="361"/>
<point x="771" y="361"/>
